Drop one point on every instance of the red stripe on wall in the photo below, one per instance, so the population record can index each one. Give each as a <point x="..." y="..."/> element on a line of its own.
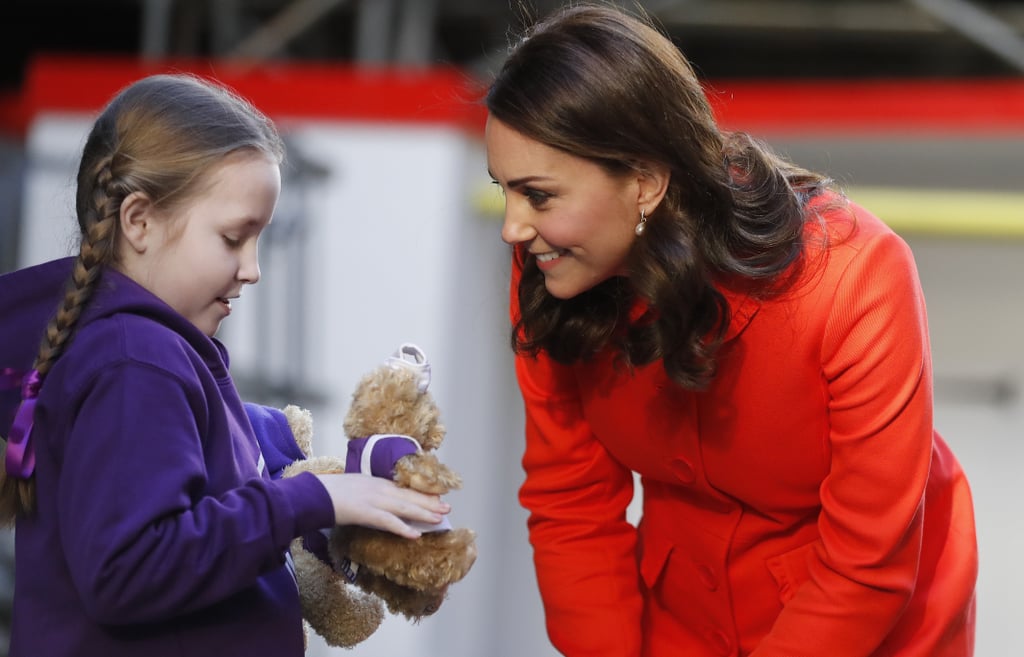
<point x="450" y="96"/>
<point x="310" y="91"/>
<point x="872" y="105"/>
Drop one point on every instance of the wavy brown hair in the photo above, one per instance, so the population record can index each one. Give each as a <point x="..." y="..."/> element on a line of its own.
<point x="160" y="135"/>
<point x="607" y="86"/>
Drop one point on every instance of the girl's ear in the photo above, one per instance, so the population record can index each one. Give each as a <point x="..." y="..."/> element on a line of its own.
<point x="137" y="220"/>
<point x="653" y="180"/>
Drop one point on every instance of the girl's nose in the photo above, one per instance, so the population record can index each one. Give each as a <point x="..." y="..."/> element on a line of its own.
<point x="249" y="269"/>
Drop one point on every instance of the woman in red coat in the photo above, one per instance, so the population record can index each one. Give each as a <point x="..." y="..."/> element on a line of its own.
<point x="690" y="307"/>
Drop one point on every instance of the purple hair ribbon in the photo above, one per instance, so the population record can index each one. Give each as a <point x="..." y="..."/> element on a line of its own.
<point x="20" y="456"/>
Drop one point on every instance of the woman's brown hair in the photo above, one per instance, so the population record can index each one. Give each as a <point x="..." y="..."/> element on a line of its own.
<point x="607" y="86"/>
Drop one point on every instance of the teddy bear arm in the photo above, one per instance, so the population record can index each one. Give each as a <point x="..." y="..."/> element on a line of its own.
<point x="409" y="602"/>
<point x="433" y="561"/>
<point x="425" y="473"/>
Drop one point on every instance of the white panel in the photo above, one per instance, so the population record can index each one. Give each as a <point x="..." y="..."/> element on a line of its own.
<point x="49" y="228"/>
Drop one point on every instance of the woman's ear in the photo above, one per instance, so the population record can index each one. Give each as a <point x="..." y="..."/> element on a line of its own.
<point x="136" y="220"/>
<point x="652" y="180"/>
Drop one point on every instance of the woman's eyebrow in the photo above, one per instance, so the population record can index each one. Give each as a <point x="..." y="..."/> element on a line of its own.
<point x="519" y="182"/>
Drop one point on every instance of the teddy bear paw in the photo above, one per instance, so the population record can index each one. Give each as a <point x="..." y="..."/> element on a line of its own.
<point x="423" y="472"/>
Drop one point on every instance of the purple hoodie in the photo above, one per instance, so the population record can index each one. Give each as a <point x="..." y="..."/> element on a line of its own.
<point x="154" y="533"/>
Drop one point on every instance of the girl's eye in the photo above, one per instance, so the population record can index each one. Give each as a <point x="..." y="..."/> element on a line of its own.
<point x="232" y="242"/>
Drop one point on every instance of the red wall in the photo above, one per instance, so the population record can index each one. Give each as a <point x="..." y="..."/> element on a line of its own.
<point x="449" y="96"/>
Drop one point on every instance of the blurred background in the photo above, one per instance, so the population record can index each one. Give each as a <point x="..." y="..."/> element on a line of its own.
<point x="387" y="230"/>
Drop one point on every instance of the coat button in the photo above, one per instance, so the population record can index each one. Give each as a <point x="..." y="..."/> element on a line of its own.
<point x="707" y="577"/>
<point x="682" y="470"/>
<point x="721" y="643"/>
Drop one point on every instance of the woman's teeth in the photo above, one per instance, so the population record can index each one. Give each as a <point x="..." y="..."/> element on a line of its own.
<point x="549" y="256"/>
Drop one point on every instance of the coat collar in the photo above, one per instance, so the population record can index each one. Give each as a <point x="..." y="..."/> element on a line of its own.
<point x="742" y="309"/>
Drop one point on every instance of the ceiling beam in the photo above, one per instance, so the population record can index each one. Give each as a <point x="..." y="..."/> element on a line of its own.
<point x="875" y="16"/>
<point x="982" y="27"/>
<point x="294" y="19"/>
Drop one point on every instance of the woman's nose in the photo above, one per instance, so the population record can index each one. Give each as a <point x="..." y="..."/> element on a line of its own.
<point x="516" y="230"/>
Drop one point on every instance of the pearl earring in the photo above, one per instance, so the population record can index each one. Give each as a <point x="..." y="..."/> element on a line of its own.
<point x="639" y="230"/>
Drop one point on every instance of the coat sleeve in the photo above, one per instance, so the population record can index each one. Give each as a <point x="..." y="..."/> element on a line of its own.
<point x="876" y="361"/>
<point x="144" y="540"/>
<point x="576" y="495"/>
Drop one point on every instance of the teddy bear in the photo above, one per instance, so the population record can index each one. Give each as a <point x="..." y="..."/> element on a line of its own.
<point x="394" y="429"/>
<point x="342" y="614"/>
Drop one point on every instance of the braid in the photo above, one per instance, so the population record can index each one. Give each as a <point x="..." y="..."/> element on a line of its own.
<point x="17" y="496"/>
<point x="158" y="137"/>
<point x="98" y="222"/>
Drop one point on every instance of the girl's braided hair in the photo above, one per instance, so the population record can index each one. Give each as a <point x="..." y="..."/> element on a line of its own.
<point x="160" y="135"/>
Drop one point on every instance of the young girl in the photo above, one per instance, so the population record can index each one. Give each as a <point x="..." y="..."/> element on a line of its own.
<point x="146" y="522"/>
<point x="688" y="306"/>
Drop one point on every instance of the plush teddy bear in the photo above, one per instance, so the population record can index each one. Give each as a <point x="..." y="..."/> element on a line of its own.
<point x="331" y="606"/>
<point x="394" y="427"/>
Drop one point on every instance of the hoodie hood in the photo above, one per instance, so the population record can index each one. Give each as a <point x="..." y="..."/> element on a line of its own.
<point x="29" y="298"/>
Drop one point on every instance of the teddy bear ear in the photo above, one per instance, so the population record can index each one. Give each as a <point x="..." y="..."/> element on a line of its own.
<point x="410" y="357"/>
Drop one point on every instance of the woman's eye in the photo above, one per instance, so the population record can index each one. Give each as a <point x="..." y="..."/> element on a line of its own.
<point x="536" y="197"/>
<point x="232" y="242"/>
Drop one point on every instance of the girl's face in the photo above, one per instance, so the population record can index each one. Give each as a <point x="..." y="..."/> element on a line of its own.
<point x="574" y="216"/>
<point x="197" y="257"/>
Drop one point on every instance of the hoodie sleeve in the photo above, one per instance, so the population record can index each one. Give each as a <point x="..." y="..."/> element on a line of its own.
<point x="144" y="540"/>
<point x="277" y="443"/>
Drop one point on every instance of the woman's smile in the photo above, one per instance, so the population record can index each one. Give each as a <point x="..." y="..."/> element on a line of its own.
<point x="547" y="260"/>
<point x="555" y="198"/>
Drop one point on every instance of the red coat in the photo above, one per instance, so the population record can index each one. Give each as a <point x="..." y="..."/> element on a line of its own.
<point x="802" y="506"/>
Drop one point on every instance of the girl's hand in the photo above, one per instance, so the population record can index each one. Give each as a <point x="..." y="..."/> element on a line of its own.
<point x="379" y="503"/>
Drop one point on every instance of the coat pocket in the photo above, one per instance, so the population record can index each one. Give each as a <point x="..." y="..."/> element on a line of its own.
<point x="791" y="569"/>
